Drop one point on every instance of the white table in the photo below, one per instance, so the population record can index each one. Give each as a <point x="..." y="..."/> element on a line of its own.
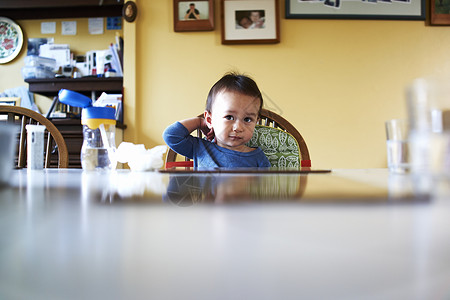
<point x="350" y="234"/>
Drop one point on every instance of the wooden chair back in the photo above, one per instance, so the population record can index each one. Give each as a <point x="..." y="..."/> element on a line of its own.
<point x="267" y="118"/>
<point x="54" y="141"/>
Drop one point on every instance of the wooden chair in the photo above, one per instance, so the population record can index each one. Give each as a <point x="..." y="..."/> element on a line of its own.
<point x="267" y="118"/>
<point x="23" y="116"/>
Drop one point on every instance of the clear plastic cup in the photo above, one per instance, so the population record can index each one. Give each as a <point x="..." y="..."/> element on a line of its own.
<point x="397" y="146"/>
<point x="8" y="136"/>
<point x="35" y="147"/>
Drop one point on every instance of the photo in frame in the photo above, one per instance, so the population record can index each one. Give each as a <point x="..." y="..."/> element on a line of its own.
<point x="193" y="15"/>
<point x="250" y="22"/>
<point x="11" y="101"/>
<point x="356" y="9"/>
<point x="439" y="12"/>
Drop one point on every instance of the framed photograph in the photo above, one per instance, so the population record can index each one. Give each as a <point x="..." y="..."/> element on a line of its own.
<point x="11" y="101"/>
<point x="440" y="12"/>
<point x="193" y="15"/>
<point x="250" y="22"/>
<point x="356" y="9"/>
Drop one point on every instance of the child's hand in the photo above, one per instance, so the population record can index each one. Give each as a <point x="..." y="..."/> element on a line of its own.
<point x="199" y="123"/>
<point x="208" y="132"/>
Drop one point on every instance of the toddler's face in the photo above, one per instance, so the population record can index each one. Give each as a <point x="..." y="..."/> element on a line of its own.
<point x="254" y="16"/>
<point x="245" y="22"/>
<point x="233" y="117"/>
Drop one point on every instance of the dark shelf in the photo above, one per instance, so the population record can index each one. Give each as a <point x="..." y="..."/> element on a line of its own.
<point x="53" y="9"/>
<point x="77" y="122"/>
<point x="51" y="86"/>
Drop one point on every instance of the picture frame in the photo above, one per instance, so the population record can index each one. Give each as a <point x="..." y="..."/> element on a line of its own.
<point x="356" y="9"/>
<point x="129" y="11"/>
<point x="439" y="12"/>
<point x="250" y="21"/>
<point x="11" y="101"/>
<point x="200" y="19"/>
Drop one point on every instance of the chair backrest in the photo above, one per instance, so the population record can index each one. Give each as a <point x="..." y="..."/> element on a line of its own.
<point x="267" y="118"/>
<point x="23" y="116"/>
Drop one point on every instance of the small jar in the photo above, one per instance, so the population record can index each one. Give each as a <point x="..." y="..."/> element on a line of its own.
<point x="99" y="146"/>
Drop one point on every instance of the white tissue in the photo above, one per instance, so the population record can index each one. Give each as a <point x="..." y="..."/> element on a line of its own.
<point x="139" y="158"/>
<point x="136" y="184"/>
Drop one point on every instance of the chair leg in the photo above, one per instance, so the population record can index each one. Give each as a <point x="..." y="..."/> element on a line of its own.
<point x="48" y="150"/>
<point x="22" y="144"/>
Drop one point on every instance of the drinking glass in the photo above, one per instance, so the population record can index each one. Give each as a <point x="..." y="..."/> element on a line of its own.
<point x="428" y="102"/>
<point x="8" y="136"/>
<point x="397" y="146"/>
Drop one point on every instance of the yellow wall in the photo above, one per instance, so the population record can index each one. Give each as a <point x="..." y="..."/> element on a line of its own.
<point x="337" y="81"/>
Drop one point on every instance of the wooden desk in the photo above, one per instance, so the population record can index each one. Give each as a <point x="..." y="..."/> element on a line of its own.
<point x="350" y="234"/>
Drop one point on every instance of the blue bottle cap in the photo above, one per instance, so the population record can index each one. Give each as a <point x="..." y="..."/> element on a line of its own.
<point x="98" y="112"/>
<point x="74" y="99"/>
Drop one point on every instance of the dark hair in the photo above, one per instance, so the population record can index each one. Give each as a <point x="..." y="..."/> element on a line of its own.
<point x="233" y="82"/>
<point x="244" y="18"/>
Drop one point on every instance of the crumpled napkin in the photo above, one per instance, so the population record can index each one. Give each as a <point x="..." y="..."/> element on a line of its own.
<point x="139" y="158"/>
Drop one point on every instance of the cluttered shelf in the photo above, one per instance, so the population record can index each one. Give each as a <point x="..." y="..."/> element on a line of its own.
<point x="51" y="86"/>
<point x="70" y="127"/>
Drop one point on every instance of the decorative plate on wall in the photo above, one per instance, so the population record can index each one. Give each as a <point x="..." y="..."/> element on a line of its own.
<point x="11" y="40"/>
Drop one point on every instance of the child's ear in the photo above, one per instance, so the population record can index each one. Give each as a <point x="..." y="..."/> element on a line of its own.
<point x="207" y="116"/>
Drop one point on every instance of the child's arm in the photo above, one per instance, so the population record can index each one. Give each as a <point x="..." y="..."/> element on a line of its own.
<point x="177" y="136"/>
<point x="198" y="123"/>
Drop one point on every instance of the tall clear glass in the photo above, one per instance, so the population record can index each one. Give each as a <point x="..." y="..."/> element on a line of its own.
<point x="397" y="146"/>
<point x="428" y="102"/>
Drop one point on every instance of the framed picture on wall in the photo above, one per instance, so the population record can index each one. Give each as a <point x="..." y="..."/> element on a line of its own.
<point x="440" y="12"/>
<point x="11" y="101"/>
<point x="193" y="15"/>
<point x="356" y="9"/>
<point x="250" y="22"/>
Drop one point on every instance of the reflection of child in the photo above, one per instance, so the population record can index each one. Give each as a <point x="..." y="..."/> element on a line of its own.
<point x="232" y="110"/>
<point x="257" y="20"/>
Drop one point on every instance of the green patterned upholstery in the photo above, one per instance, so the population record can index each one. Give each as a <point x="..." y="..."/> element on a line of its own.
<point x="280" y="147"/>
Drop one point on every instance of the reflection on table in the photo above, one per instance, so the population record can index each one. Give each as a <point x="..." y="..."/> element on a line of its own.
<point x="212" y="188"/>
<point x="348" y="234"/>
<point x="187" y="189"/>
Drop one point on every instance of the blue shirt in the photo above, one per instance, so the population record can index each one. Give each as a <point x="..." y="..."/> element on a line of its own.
<point x="207" y="154"/>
